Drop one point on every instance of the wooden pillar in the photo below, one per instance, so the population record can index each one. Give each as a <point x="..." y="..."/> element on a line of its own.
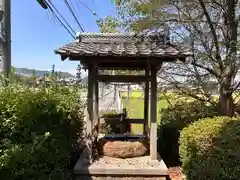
<point x="90" y="112"/>
<point x="96" y="101"/>
<point x="153" y="111"/>
<point x="146" y="103"/>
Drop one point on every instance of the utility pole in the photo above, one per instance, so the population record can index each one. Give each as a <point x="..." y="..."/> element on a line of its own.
<point x="6" y="36"/>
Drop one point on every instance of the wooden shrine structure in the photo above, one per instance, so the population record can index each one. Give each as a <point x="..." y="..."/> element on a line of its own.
<point x="107" y="51"/>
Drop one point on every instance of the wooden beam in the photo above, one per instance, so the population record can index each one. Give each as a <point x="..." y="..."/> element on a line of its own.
<point x="130" y="120"/>
<point x="146" y="102"/>
<point x="121" y="63"/>
<point x="153" y="111"/>
<point x="121" y="78"/>
<point x="123" y="59"/>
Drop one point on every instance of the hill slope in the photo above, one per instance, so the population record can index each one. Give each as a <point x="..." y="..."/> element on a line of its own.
<point x="29" y="72"/>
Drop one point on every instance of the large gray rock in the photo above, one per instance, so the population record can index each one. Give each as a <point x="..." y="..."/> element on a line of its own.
<point x="124" y="149"/>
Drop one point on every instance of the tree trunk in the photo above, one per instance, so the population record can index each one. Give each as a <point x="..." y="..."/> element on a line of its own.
<point x="226" y="105"/>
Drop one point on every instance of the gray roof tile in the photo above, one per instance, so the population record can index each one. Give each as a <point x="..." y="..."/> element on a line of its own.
<point x="108" y="44"/>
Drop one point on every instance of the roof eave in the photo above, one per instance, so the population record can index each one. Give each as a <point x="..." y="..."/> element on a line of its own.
<point x="62" y="54"/>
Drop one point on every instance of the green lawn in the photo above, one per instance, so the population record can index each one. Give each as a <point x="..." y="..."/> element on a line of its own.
<point x="135" y="108"/>
<point x="136" y="94"/>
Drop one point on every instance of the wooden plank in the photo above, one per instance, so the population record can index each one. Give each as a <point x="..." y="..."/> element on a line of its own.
<point x="146" y="102"/>
<point x="153" y="111"/>
<point x="121" y="78"/>
<point x="130" y="120"/>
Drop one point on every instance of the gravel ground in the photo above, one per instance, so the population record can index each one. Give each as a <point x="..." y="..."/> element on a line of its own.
<point x="137" y="162"/>
<point x="121" y="178"/>
<point x="128" y="178"/>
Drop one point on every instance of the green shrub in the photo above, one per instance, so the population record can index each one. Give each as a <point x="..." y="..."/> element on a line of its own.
<point x="209" y="149"/>
<point x="173" y="119"/>
<point x="38" y="129"/>
<point x="110" y="126"/>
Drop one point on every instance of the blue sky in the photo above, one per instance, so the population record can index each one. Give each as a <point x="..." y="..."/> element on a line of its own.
<point x="35" y="34"/>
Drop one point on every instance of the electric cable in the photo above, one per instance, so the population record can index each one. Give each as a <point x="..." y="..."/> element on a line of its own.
<point x="64" y="26"/>
<point x="93" y="12"/>
<point x="77" y="14"/>
<point x="61" y="16"/>
<point x="73" y="14"/>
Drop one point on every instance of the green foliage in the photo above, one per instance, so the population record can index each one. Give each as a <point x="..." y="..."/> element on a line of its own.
<point x="111" y="114"/>
<point x="108" y="25"/>
<point x="110" y="126"/>
<point x="173" y="119"/>
<point x="38" y="128"/>
<point x="209" y="149"/>
<point x="138" y="15"/>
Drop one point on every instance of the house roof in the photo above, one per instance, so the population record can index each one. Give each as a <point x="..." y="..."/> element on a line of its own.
<point x="117" y="45"/>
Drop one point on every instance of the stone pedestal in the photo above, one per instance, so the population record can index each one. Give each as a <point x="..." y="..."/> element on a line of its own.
<point x="137" y="168"/>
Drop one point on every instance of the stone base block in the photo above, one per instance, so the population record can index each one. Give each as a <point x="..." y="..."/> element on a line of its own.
<point x="120" y="178"/>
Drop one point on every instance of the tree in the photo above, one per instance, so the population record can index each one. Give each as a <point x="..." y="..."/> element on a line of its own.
<point x="34" y="74"/>
<point x="78" y="74"/>
<point x="108" y="25"/>
<point x="53" y="70"/>
<point x="209" y="28"/>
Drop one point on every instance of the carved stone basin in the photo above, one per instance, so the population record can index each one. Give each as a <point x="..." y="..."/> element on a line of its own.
<point x="123" y="149"/>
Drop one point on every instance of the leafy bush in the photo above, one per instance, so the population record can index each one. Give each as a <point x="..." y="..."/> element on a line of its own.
<point x="111" y="114"/>
<point x="38" y="129"/>
<point x="209" y="149"/>
<point x="110" y="126"/>
<point x="173" y="119"/>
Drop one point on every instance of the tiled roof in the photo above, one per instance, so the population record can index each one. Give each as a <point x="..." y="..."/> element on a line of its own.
<point x="128" y="45"/>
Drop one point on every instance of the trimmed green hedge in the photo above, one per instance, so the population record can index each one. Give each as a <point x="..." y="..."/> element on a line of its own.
<point x="39" y="128"/>
<point x="209" y="149"/>
<point x="173" y="120"/>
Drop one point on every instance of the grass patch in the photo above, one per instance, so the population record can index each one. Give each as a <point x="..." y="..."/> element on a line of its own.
<point x="135" y="108"/>
<point x="133" y="94"/>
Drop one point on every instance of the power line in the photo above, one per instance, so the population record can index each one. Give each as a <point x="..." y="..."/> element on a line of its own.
<point x="60" y="21"/>
<point x="79" y="19"/>
<point x="61" y="16"/>
<point x="73" y="14"/>
<point x="80" y="10"/>
<point x="93" y="12"/>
